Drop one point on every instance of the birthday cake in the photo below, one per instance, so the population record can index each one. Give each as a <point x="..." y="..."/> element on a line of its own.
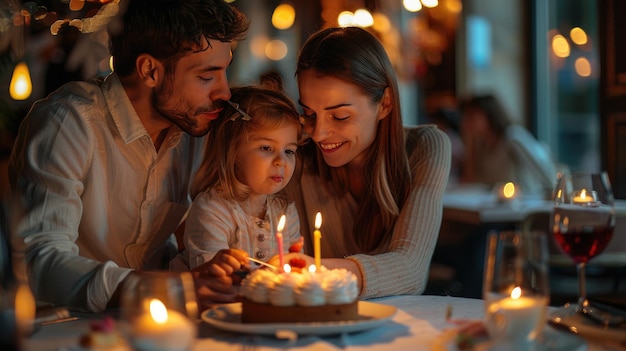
<point x="328" y="295"/>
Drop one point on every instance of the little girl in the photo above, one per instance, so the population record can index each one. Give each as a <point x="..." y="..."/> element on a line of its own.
<point x="250" y="157"/>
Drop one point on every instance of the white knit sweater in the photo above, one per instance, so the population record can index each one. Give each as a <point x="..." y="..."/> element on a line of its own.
<point x="401" y="266"/>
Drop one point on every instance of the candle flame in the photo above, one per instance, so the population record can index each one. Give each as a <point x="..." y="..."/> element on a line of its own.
<point x="312" y="268"/>
<point x="286" y="268"/>
<point x="281" y="223"/>
<point x="318" y="220"/>
<point x="583" y="194"/>
<point x="158" y="311"/>
<point x="508" y="190"/>
<point x="24" y="306"/>
<point x="516" y="293"/>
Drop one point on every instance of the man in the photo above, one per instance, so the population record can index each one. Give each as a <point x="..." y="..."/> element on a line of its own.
<point x="102" y="169"/>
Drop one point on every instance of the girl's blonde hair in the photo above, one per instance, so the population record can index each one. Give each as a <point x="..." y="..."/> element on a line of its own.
<point x="268" y="108"/>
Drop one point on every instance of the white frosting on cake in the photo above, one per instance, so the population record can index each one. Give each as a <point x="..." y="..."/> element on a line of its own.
<point x="326" y="287"/>
<point x="340" y="288"/>
<point x="256" y="286"/>
<point x="310" y="291"/>
<point x="282" y="290"/>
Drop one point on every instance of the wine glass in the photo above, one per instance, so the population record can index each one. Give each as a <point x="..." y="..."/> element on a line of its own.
<point x="583" y="220"/>
<point x="516" y="289"/>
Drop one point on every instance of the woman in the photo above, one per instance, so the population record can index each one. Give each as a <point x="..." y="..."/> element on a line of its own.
<point x="378" y="186"/>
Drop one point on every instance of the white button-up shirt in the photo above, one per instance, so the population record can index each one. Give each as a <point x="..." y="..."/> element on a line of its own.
<point x="97" y="198"/>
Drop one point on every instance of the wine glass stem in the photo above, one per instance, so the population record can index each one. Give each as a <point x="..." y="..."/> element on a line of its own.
<point x="582" y="289"/>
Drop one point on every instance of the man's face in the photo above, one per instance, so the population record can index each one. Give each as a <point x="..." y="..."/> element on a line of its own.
<point x="192" y="95"/>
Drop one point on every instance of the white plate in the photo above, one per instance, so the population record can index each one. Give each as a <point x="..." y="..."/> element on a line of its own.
<point x="228" y="317"/>
<point x="568" y="319"/>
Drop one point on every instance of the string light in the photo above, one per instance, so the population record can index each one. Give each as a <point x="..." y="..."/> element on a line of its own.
<point x="21" y="86"/>
<point x="359" y="18"/>
<point x="284" y="16"/>
<point x="31" y="10"/>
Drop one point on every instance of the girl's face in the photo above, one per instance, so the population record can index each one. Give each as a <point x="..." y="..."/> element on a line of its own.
<point x="339" y="117"/>
<point x="266" y="159"/>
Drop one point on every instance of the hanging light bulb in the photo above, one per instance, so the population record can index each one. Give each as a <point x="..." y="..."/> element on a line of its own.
<point x="21" y="86"/>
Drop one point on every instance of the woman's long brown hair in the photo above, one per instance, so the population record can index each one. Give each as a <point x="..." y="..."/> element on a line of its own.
<point x="355" y="56"/>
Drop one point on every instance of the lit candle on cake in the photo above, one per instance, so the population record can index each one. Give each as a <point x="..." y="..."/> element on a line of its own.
<point x="286" y="268"/>
<point x="279" y="240"/>
<point x="162" y="329"/>
<point x="317" y="236"/>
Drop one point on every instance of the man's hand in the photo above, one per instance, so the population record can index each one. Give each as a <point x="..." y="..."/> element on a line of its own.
<point x="216" y="281"/>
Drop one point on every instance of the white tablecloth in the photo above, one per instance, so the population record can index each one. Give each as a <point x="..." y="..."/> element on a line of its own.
<point x="419" y="324"/>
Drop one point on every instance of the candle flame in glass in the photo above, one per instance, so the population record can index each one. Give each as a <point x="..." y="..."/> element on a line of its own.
<point x="158" y="311"/>
<point x="508" y="190"/>
<point x="286" y="268"/>
<point x="25" y="307"/>
<point x="312" y="268"/>
<point x="281" y="223"/>
<point x="516" y="293"/>
<point x="318" y="220"/>
<point x="583" y="194"/>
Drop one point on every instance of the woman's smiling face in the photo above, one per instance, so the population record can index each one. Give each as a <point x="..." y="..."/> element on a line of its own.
<point x="338" y="116"/>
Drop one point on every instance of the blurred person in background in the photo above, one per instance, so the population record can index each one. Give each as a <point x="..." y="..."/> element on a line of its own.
<point x="498" y="151"/>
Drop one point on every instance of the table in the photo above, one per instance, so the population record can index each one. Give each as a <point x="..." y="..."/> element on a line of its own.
<point x="419" y="324"/>
<point x="471" y="211"/>
<point x="478" y="205"/>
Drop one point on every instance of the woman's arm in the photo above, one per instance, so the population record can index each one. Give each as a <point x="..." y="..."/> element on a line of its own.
<point x="403" y="268"/>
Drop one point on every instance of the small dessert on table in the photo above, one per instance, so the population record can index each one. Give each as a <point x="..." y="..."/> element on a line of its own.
<point x="103" y="336"/>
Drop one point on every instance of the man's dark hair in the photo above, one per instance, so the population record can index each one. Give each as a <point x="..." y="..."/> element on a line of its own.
<point x="169" y="29"/>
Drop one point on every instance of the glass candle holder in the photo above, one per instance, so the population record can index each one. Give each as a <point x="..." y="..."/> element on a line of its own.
<point x="160" y="311"/>
<point x="516" y="289"/>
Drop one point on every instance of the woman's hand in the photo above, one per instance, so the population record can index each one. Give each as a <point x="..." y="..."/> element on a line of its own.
<point x="216" y="280"/>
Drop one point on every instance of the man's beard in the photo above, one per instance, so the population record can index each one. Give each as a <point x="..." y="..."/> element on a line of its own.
<point x="180" y="114"/>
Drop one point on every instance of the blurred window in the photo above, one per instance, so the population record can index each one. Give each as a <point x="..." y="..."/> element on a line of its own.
<point x="566" y="77"/>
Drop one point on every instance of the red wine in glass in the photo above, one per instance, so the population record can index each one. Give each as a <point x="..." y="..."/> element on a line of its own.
<point x="582" y="221"/>
<point x="583" y="232"/>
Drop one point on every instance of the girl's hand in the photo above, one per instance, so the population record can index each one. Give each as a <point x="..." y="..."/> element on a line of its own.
<point x="216" y="280"/>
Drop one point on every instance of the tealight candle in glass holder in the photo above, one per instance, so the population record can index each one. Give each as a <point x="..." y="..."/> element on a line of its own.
<point x="516" y="289"/>
<point x="585" y="197"/>
<point x="160" y="309"/>
<point x="506" y="192"/>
